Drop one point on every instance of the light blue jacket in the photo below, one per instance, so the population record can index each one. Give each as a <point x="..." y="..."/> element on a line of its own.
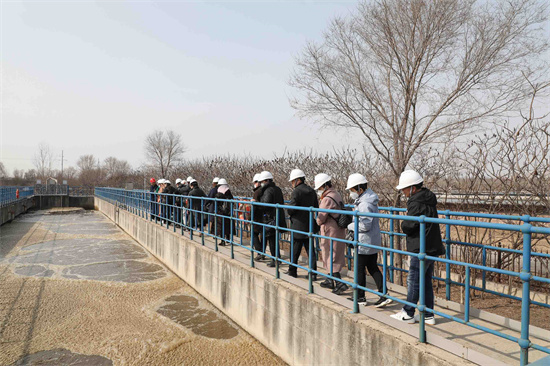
<point x="369" y="227"/>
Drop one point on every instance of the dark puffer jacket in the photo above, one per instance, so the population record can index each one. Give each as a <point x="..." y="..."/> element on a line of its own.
<point x="272" y="194"/>
<point x="304" y="196"/>
<point x="424" y="203"/>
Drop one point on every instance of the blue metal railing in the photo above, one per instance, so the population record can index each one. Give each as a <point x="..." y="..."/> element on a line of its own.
<point x="188" y="213"/>
<point x="9" y="194"/>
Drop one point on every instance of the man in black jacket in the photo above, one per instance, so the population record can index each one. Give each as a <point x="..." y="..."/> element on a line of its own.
<point x="421" y="201"/>
<point x="257" y="217"/>
<point x="209" y="204"/>
<point x="196" y="204"/>
<point x="153" y="197"/>
<point x="271" y="194"/>
<point x="304" y="196"/>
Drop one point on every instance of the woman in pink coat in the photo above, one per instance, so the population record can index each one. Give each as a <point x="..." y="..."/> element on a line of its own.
<point x="331" y="199"/>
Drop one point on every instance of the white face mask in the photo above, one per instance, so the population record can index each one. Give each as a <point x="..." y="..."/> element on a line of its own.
<point x="320" y="192"/>
<point x="263" y="184"/>
<point x="354" y="195"/>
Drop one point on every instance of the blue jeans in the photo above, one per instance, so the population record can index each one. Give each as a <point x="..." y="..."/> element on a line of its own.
<point x="413" y="285"/>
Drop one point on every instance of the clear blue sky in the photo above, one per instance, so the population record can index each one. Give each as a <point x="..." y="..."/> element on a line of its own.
<point x="97" y="77"/>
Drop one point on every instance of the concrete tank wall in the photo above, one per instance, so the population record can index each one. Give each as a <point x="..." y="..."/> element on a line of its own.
<point x="301" y="328"/>
<point x="12" y="210"/>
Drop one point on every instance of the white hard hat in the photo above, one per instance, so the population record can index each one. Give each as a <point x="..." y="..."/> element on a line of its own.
<point x="321" y="179"/>
<point x="160" y="181"/>
<point x="222" y="181"/>
<point x="409" y="178"/>
<point x="295" y="174"/>
<point x="256" y="178"/>
<point x="178" y="181"/>
<point x="167" y="181"/>
<point x="192" y="180"/>
<point x="189" y="179"/>
<point x="355" y="179"/>
<point x="265" y="175"/>
<point x="216" y="180"/>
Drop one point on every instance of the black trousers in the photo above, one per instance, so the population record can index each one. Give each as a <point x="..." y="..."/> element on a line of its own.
<point x="270" y="241"/>
<point x="256" y="242"/>
<point x="297" y="249"/>
<point x="370" y="263"/>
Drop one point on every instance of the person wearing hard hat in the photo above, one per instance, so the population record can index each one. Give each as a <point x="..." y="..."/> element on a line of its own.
<point x="209" y="204"/>
<point x="224" y="224"/>
<point x="273" y="195"/>
<point x="178" y="209"/>
<point x="183" y="190"/>
<point x="421" y="202"/>
<point x="196" y="205"/>
<point x="303" y="196"/>
<point x="153" y="197"/>
<point x="369" y="233"/>
<point x="330" y="199"/>
<point x="257" y="217"/>
<point x="170" y="200"/>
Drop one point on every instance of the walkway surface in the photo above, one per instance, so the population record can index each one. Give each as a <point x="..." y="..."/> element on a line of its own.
<point x="75" y="289"/>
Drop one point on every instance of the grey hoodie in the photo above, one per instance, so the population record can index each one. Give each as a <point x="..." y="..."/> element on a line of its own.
<point x="369" y="227"/>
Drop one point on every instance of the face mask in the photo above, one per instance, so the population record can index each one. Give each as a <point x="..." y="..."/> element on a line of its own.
<point x="354" y="195"/>
<point x="263" y="184"/>
<point x="320" y="192"/>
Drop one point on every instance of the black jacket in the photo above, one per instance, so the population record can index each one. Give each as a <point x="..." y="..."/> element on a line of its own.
<point x="184" y="190"/>
<point x="258" y="213"/>
<point x="170" y="190"/>
<point x="424" y="203"/>
<point x="197" y="203"/>
<point x="272" y="194"/>
<point x="210" y="204"/>
<point x="304" y="196"/>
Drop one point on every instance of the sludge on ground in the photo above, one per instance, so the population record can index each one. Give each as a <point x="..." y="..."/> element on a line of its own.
<point x="74" y="287"/>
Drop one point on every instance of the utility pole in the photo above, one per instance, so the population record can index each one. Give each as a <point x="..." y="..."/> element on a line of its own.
<point x="61" y="165"/>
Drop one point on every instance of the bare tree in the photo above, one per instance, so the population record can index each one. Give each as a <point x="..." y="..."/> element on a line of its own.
<point x="43" y="161"/>
<point x="116" y="171"/>
<point x="164" y="149"/>
<point x="91" y="173"/>
<point x="3" y="171"/>
<point x="413" y="73"/>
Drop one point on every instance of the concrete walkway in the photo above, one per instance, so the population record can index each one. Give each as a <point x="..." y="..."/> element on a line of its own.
<point x="477" y="346"/>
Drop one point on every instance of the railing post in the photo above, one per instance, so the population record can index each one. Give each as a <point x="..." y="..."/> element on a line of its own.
<point x="355" y="268"/>
<point x="467" y="295"/>
<point x="311" y="251"/>
<point x="484" y="262"/>
<point x="525" y="277"/>
<point x="215" y="222"/>
<point x="422" y="282"/>
<point x="448" y="256"/>
<point x="392" y="245"/>
<point x="252" y="235"/>
<point x="231" y="229"/>
<point x="277" y="274"/>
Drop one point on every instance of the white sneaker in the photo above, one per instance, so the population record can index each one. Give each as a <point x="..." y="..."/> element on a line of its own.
<point x="428" y="319"/>
<point x="402" y="316"/>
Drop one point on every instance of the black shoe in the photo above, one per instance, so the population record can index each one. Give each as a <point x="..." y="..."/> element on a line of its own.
<point x="222" y="243"/>
<point x="340" y="288"/>
<point x="259" y="257"/>
<point x="382" y="301"/>
<point x="291" y="274"/>
<point x="314" y="276"/>
<point x="360" y="301"/>
<point x="271" y="264"/>
<point x="328" y="283"/>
